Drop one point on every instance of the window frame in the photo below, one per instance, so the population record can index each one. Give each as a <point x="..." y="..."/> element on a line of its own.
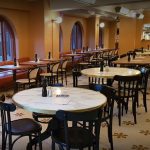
<point x="6" y="27"/>
<point x="77" y="30"/>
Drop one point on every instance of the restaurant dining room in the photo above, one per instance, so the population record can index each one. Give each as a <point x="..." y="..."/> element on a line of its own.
<point x="74" y="74"/>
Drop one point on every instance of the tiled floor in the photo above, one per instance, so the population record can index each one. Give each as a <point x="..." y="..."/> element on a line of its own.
<point x="126" y="137"/>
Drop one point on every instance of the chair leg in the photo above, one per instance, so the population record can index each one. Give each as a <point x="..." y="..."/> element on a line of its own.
<point x="110" y="135"/>
<point x="4" y="140"/>
<point x="39" y="140"/>
<point x="53" y="145"/>
<point x="144" y="101"/>
<point x="134" y="110"/>
<point x="10" y="142"/>
<point x="66" y="77"/>
<point x="119" y="113"/>
<point x="62" y="77"/>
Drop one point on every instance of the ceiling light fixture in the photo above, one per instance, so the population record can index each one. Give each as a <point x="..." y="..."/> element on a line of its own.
<point x="139" y="16"/>
<point x="122" y="10"/>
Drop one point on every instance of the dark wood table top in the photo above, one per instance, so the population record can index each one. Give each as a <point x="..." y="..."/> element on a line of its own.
<point x="139" y="60"/>
<point x="34" y="63"/>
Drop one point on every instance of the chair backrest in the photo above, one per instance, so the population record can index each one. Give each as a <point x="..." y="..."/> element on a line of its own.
<point x="127" y="85"/>
<point x="109" y="92"/>
<point x="6" y="108"/>
<point x="2" y="98"/>
<point x="55" y="67"/>
<point x="91" y="57"/>
<point x="64" y="65"/>
<point x="145" y="74"/>
<point x="123" y="55"/>
<point x="33" y="73"/>
<point x="57" y="85"/>
<point x="92" y="119"/>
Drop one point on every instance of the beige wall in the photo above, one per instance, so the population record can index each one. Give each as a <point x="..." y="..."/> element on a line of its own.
<point x="37" y="29"/>
<point x="112" y="34"/>
<point x="127" y="34"/>
<point x="19" y="19"/>
<point x="91" y="32"/>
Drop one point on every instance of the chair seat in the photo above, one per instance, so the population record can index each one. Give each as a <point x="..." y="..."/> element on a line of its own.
<point x="37" y="116"/>
<point x="48" y="74"/>
<point x="24" y="81"/>
<point x="61" y="70"/>
<point x="84" y="63"/>
<point x="86" y="137"/>
<point x="25" y="126"/>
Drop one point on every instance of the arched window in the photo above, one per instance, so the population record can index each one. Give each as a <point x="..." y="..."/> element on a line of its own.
<point x="7" y="41"/>
<point x="76" y="36"/>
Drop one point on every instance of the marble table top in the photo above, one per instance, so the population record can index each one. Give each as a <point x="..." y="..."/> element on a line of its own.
<point x="63" y="98"/>
<point x="109" y="72"/>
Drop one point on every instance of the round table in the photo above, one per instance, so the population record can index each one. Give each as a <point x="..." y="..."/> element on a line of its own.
<point x="109" y="72"/>
<point x="63" y="98"/>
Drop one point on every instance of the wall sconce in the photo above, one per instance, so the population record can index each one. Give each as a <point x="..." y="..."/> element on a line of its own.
<point x="58" y="20"/>
<point x="102" y="25"/>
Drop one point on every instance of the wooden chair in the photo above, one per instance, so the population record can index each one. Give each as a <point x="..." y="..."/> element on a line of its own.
<point x="78" y="137"/>
<point x="52" y="75"/>
<point x="127" y="89"/>
<point x="63" y="70"/>
<point x="31" y="80"/>
<point x="107" y="115"/>
<point x="143" y="84"/>
<point x="20" y="127"/>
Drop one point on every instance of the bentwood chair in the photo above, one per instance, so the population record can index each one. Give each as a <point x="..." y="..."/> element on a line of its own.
<point x="19" y="128"/>
<point x="127" y="89"/>
<point x="32" y="79"/>
<point x="52" y="75"/>
<point x="143" y="84"/>
<point x="77" y="136"/>
<point x="107" y="115"/>
<point x="63" y="71"/>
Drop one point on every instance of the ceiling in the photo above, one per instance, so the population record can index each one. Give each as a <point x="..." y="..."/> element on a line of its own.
<point x="103" y="8"/>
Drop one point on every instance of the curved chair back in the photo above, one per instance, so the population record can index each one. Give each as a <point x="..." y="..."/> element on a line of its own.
<point x="55" y="67"/>
<point x="2" y="98"/>
<point x="107" y="115"/>
<point x="64" y="65"/>
<point x="91" y="57"/>
<point x="5" y="116"/>
<point x="33" y="73"/>
<point x="127" y="85"/>
<point x="143" y="84"/>
<point x="127" y="89"/>
<point x="92" y="119"/>
<point x="145" y="74"/>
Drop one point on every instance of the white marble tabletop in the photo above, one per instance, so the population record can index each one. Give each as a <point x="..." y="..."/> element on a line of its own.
<point x="63" y="98"/>
<point x="109" y="72"/>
